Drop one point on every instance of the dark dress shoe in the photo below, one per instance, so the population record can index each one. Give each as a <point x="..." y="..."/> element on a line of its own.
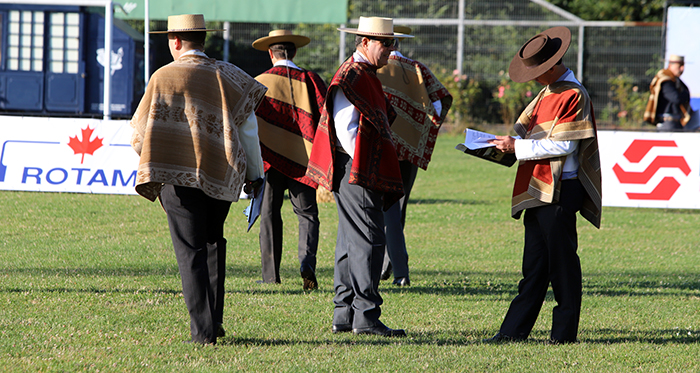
<point x="381" y="330"/>
<point x="501" y="338"/>
<point x="402" y="281"/>
<point x="308" y="275"/>
<point x="220" y="332"/>
<point x="341" y="328"/>
<point x="386" y="273"/>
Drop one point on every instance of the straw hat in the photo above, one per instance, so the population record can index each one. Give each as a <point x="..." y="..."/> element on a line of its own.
<point x="185" y="23"/>
<point x="676" y="58"/>
<point x="403" y="30"/>
<point x="539" y="54"/>
<point x="375" y="26"/>
<point x="280" y="36"/>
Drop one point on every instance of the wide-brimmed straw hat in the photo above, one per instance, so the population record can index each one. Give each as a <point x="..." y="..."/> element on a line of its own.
<point x="539" y="54"/>
<point x="676" y="58"/>
<point x="375" y="26"/>
<point x="185" y="23"/>
<point x="280" y="36"/>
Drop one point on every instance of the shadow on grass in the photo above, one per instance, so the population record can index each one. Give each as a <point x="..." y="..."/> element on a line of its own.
<point x="461" y="202"/>
<point x="446" y="283"/>
<point x="659" y="337"/>
<point x="475" y="337"/>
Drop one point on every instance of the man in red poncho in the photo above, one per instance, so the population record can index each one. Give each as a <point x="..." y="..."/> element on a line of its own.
<point x="354" y="156"/>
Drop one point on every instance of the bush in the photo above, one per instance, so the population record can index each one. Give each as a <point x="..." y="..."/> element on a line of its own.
<point x="512" y="97"/>
<point x="628" y="103"/>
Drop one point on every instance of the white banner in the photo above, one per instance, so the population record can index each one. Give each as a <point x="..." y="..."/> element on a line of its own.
<point x="66" y="155"/>
<point x="640" y="169"/>
<point x="650" y="169"/>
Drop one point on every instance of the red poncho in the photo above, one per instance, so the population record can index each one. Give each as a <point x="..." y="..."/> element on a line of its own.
<point x="375" y="165"/>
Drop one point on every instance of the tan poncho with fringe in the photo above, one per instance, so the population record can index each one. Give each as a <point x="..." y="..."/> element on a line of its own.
<point x="186" y="127"/>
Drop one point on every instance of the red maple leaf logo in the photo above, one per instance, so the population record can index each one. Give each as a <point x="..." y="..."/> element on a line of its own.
<point x="85" y="146"/>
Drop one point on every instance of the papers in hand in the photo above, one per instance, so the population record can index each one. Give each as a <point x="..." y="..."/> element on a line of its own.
<point x="476" y="143"/>
<point x="476" y="139"/>
<point x="253" y="210"/>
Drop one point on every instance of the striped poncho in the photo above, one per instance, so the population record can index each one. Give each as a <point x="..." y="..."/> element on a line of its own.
<point x="412" y="88"/>
<point x="562" y="111"/>
<point x="287" y="119"/>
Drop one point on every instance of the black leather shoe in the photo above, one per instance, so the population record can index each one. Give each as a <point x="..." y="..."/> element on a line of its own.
<point x="341" y="328"/>
<point x="386" y="273"/>
<point x="501" y="338"/>
<point x="381" y="330"/>
<point x="309" y="277"/>
<point x="220" y="332"/>
<point x="402" y="281"/>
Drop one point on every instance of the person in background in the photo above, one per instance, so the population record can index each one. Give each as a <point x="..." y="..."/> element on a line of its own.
<point x="558" y="175"/>
<point x="669" y="99"/>
<point x="287" y="121"/>
<point x="354" y="156"/>
<point x="422" y="103"/>
<point x="197" y="137"/>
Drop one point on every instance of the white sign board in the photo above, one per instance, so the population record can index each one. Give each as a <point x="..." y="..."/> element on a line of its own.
<point x="66" y="155"/>
<point x="649" y="169"/>
<point x="682" y="30"/>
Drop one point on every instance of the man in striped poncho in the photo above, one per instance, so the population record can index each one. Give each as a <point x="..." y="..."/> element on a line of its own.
<point x="287" y="120"/>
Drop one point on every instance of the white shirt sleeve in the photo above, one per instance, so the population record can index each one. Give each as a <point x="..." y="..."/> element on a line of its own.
<point x="527" y="149"/>
<point x="248" y="135"/>
<point x="347" y="119"/>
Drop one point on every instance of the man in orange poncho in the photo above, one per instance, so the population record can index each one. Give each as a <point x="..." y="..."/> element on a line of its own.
<point x="558" y="175"/>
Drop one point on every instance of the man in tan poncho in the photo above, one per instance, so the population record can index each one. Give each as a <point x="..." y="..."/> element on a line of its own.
<point x="196" y="133"/>
<point x="669" y="99"/>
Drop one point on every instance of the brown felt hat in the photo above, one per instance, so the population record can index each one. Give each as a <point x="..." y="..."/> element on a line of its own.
<point x="185" y="23"/>
<point x="539" y="54"/>
<point x="280" y="36"/>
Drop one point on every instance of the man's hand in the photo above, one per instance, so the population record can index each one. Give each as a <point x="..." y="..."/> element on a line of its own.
<point x="505" y="144"/>
<point x="253" y="187"/>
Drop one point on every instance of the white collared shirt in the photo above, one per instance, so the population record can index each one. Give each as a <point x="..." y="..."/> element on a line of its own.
<point x="346" y="117"/>
<point x="287" y="63"/>
<point x="528" y="149"/>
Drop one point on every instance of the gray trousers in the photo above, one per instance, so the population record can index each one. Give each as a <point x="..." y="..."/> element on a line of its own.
<point x="359" y="250"/>
<point x="197" y="230"/>
<point x="395" y="220"/>
<point x="303" y="198"/>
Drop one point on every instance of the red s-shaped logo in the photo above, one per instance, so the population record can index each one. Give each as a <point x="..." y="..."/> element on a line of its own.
<point x="668" y="185"/>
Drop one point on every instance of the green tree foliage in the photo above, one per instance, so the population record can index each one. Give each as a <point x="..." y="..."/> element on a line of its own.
<point x="614" y="10"/>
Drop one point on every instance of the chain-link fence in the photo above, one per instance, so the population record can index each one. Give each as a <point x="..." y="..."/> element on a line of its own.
<point x="472" y="42"/>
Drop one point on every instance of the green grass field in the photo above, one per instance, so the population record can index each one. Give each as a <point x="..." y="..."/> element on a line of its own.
<point x="90" y="283"/>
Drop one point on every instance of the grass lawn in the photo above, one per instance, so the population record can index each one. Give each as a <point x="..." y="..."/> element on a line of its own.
<point x="90" y="283"/>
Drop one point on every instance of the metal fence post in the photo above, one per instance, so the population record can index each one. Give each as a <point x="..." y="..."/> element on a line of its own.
<point x="460" y="38"/>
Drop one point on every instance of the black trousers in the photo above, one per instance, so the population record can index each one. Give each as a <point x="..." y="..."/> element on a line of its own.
<point x="197" y="230"/>
<point x="303" y="198"/>
<point x="550" y="257"/>
<point x="359" y="250"/>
